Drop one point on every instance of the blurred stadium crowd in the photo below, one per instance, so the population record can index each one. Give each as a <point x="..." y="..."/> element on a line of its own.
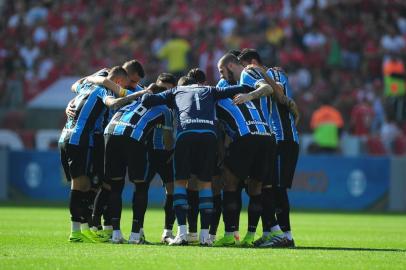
<point x="334" y="51"/>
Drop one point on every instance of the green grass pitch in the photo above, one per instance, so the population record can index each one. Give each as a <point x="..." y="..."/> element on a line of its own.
<point x="36" y="238"/>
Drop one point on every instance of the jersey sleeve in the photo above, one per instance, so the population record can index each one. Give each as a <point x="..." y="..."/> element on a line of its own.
<point x="137" y="88"/>
<point x="230" y="91"/>
<point x="127" y="93"/>
<point x="222" y="83"/>
<point x="251" y="77"/>
<point x="103" y="73"/>
<point x="164" y="98"/>
<point x="103" y="93"/>
<point x="132" y="91"/>
<point x="280" y="78"/>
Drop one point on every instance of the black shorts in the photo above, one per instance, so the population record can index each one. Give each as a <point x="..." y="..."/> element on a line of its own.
<point x="285" y="163"/>
<point x="159" y="162"/>
<point x="75" y="160"/>
<point x="195" y="153"/>
<point x="97" y="173"/>
<point x="249" y="156"/>
<point x="123" y="153"/>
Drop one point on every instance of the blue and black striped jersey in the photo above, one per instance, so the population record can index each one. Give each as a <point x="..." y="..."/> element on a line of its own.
<point x="223" y="83"/>
<point x="103" y="122"/>
<point x="251" y="77"/>
<point x="283" y="121"/>
<point x="136" y="121"/>
<point x="89" y="107"/>
<point x="243" y="119"/>
<point x="155" y="139"/>
<point x="193" y="105"/>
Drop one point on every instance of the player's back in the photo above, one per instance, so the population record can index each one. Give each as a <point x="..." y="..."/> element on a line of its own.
<point x="89" y="106"/>
<point x="195" y="107"/>
<point x="243" y="119"/>
<point x="283" y="121"/>
<point x="136" y="121"/>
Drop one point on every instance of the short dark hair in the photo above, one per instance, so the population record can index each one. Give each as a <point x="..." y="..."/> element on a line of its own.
<point x="133" y="66"/>
<point x="116" y="72"/>
<point x="186" y="80"/>
<point x="198" y="75"/>
<point x="167" y="78"/>
<point x="156" y="88"/>
<point x="228" y="58"/>
<point x="249" y="54"/>
<point x="234" y="52"/>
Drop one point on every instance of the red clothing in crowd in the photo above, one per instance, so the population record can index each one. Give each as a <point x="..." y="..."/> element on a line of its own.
<point x="361" y="118"/>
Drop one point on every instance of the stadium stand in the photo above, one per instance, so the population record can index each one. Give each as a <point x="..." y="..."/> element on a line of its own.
<point x="330" y="49"/>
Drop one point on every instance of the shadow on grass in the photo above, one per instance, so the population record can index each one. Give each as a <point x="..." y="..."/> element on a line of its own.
<point x="353" y="249"/>
<point x="296" y="248"/>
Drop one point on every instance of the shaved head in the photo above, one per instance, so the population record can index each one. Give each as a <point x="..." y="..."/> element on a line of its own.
<point x="227" y="59"/>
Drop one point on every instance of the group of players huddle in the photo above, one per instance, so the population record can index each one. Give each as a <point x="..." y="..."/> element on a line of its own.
<point x="207" y="144"/>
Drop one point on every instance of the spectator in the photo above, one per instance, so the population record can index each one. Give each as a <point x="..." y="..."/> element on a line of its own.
<point x="389" y="132"/>
<point x="14" y="91"/>
<point x="208" y="62"/>
<point x="361" y="116"/>
<point x="326" y="123"/>
<point x="29" y="53"/>
<point x="377" y="104"/>
<point x="329" y="48"/>
<point x="175" y="52"/>
<point x="392" y="42"/>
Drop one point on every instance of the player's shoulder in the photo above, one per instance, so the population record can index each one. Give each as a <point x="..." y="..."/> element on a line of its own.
<point x="101" y="90"/>
<point x="278" y="73"/>
<point x="251" y="72"/>
<point x="222" y="83"/>
<point x="138" y="87"/>
<point x="103" y="72"/>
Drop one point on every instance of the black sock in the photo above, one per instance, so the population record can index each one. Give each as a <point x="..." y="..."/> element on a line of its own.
<point x="180" y="205"/>
<point x="99" y="207"/>
<point x="75" y="205"/>
<point x="239" y="207"/>
<point x="169" y="212"/>
<point x="115" y="203"/>
<point x="140" y="203"/>
<point x="230" y="207"/>
<point x="193" y="212"/>
<point x="205" y="208"/>
<point x="282" y="208"/>
<point x="215" y="219"/>
<point x="268" y="210"/>
<point x="254" y="212"/>
<point x="90" y="197"/>
<point x="107" y="215"/>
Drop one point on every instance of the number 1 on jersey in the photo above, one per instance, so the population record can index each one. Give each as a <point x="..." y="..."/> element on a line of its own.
<point x="197" y="101"/>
